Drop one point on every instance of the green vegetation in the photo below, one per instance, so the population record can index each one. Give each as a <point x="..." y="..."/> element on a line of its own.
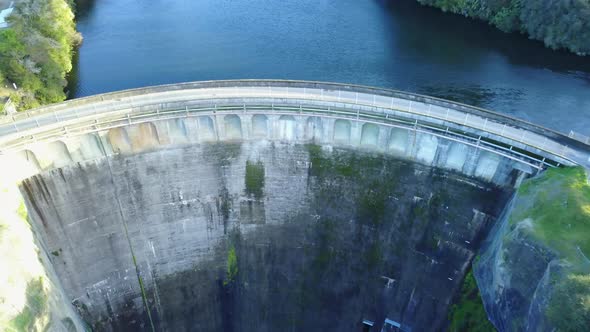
<point x="322" y="165"/>
<point x="36" y="51"/>
<point x="35" y="309"/>
<point x="372" y="203"/>
<point x="371" y="196"/>
<point x="559" y="24"/>
<point x="468" y="314"/>
<point x="570" y="303"/>
<point x="232" y="266"/>
<point x="255" y="179"/>
<point x="556" y="206"/>
<point x="22" y="211"/>
<point x="559" y="206"/>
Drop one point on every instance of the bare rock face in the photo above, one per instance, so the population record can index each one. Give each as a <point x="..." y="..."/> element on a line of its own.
<point x="260" y="237"/>
<point x="512" y="275"/>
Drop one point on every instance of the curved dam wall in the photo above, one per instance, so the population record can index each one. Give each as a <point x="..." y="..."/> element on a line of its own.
<point x="211" y="209"/>
<point x="331" y="222"/>
<point x="413" y="145"/>
<point x="322" y="237"/>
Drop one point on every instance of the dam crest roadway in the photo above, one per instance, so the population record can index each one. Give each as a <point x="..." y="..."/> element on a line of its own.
<point x="431" y="131"/>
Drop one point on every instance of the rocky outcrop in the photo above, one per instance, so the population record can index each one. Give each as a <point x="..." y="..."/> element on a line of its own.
<point x="538" y="246"/>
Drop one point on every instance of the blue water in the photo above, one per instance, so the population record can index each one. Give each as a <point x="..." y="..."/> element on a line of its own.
<point x="394" y="44"/>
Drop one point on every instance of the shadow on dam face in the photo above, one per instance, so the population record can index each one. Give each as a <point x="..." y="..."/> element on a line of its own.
<point x="260" y="236"/>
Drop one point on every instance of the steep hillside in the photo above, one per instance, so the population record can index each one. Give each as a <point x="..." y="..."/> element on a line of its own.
<point x="534" y="272"/>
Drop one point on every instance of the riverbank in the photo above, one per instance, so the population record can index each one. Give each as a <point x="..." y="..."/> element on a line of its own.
<point x="36" y="52"/>
<point x="558" y="24"/>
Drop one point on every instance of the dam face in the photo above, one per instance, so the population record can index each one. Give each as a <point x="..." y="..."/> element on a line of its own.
<point x="259" y="235"/>
<point x="262" y="205"/>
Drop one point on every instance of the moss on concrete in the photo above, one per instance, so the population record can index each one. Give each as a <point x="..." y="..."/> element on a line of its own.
<point x="468" y="313"/>
<point x="340" y="163"/>
<point x="232" y="266"/>
<point x="255" y="179"/>
<point x="372" y="203"/>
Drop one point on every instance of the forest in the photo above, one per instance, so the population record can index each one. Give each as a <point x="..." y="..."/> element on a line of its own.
<point x="36" y="52"/>
<point x="559" y="24"/>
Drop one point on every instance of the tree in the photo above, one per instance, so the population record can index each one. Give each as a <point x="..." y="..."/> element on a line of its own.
<point x="569" y="307"/>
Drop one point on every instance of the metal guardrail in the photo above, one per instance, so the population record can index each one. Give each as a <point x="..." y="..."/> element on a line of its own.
<point x="382" y="119"/>
<point x="579" y="137"/>
<point x="366" y="99"/>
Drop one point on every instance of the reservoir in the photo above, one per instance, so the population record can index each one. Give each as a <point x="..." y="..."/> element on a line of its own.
<point x="393" y="44"/>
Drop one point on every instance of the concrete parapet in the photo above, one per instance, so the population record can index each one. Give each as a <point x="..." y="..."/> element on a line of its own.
<point x="403" y="143"/>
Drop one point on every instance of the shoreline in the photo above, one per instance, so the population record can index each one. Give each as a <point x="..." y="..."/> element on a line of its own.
<point x="538" y="21"/>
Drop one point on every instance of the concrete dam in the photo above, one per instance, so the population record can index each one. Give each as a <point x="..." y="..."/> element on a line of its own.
<point x="260" y="205"/>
